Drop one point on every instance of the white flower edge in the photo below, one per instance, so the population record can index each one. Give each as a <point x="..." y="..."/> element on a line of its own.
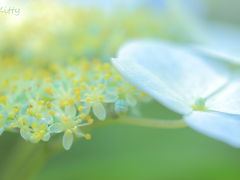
<point x="178" y="79"/>
<point x="222" y="126"/>
<point x="221" y="42"/>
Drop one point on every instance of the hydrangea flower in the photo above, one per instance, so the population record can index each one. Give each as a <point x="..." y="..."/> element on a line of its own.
<point x="57" y="98"/>
<point x="185" y="83"/>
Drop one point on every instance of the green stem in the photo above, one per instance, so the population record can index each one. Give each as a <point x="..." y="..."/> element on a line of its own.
<point x="152" y="123"/>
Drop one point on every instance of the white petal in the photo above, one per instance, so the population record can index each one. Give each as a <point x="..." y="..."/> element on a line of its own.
<point x="227" y="100"/>
<point x="67" y="140"/>
<point x="171" y="75"/>
<point x="223" y="42"/>
<point x="70" y="110"/>
<point x="221" y="126"/>
<point x="99" y="111"/>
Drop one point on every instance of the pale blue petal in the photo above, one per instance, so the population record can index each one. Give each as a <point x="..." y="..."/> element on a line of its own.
<point x="1" y="131"/>
<point x="56" y="128"/>
<point x="120" y="106"/>
<point x="222" y="126"/>
<point x="67" y="140"/>
<point x="46" y="137"/>
<point x="228" y="100"/>
<point x="99" y="111"/>
<point x="171" y="75"/>
<point x="222" y="42"/>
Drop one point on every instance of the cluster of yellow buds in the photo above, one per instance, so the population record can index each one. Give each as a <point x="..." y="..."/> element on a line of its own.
<point x="61" y="98"/>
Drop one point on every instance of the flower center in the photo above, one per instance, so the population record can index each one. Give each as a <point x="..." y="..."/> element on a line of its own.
<point x="199" y="105"/>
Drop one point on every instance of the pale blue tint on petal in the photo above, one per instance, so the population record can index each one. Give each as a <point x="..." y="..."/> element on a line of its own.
<point x="121" y="106"/>
<point x="25" y="134"/>
<point x="228" y="100"/>
<point x="222" y="126"/>
<point x="46" y="137"/>
<point x="56" y="128"/>
<point x="99" y="111"/>
<point x="1" y="131"/>
<point x="174" y="77"/>
<point x="222" y="42"/>
<point x="67" y="140"/>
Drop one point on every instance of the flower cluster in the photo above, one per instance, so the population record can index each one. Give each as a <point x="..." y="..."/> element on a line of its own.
<point x="54" y="98"/>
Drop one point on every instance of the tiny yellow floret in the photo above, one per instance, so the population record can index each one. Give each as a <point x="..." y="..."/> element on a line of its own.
<point x="82" y="116"/>
<point x="88" y="136"/>
<point x="69" y="131"/>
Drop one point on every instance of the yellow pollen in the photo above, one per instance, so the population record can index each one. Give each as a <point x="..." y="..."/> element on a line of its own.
<point x="63" y="103"/>
<point x="101" y="86"/>
<point x="82" y="115"/>
<point x="92" y="87"/>
<point x="119" y="90"/>
<point x="40" y="102"/>
<point x="37" y="115"/>
<point x="88" y="99"/>
<point x="90" y="120"/>
<point x="49" y="90"/>
<point x="117" y="77"/>
<point x="16" y="110"/>
<point x="34" y="125"/>
<point x="52" y="112"/>
<point x="106" y="66"/>
<point x="80" y="108"/>
<point x="3" y="99"/>
<point x="76" y="91"/>
<point x="37" y="136"/>
<point x="71" y="101"/>
<point x="107" y="76"/>
<point x="75" y="82"/>
<point x="65" y="119"/>
<point x="11" y="115"/>
<point x="43" y="126"/>
<point x="88" y="136"/>
<point x="49" y="105"/>
<point x="69" y="131"/>
<point x="143" y="94"/>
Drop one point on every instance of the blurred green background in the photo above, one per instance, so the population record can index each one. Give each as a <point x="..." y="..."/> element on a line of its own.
<point x="136" y="153"/>
<point x="122" y="152"/>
